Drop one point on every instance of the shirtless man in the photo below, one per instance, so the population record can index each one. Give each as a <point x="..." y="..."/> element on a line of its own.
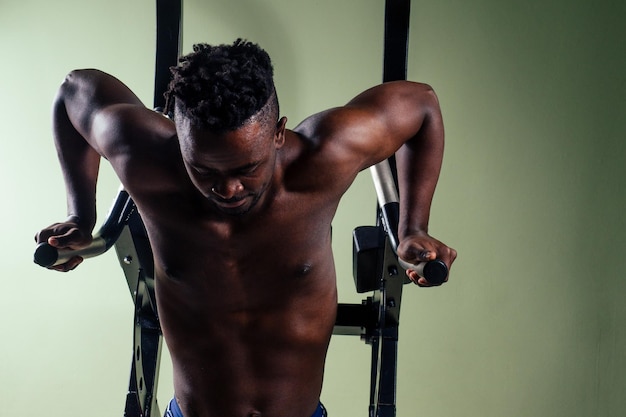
<point x="238" y="211"/>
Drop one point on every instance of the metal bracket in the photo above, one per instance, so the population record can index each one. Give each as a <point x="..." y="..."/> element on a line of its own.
<point x="135" y="257"/>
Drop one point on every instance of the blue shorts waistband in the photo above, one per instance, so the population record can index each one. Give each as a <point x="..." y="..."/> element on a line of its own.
<point x="173" y="410"/>
<point x="320" y="412"/>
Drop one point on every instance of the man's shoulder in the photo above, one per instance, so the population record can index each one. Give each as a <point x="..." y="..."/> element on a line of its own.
<point x="330" y="123"/>
<point x="339" y="133"/>
<point x="317" y="162"/>
<point x="143" y="149"/>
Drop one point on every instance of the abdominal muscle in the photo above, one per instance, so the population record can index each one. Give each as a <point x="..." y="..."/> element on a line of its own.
<point x="244" y="347"/>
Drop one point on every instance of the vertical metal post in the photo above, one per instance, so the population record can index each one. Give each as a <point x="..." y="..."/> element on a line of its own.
<point x="168" y="44"/>
<point x="385" y="343"/>
<point x="397" y="15"/>
<point x="133" y="248"/>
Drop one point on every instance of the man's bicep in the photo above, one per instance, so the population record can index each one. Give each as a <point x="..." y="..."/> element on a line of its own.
<point x="395" y="113"/>
<point x="400" y="105"/>
<point x="367" y="136"/>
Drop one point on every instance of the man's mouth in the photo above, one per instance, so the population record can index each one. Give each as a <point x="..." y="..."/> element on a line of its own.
<point x="230" y="204"/>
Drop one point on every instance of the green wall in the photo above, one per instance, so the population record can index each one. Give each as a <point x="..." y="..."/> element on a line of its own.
<point x="531" y="195"/>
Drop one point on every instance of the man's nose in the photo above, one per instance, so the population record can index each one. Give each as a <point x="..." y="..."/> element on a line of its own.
<point x="227" y="189"/>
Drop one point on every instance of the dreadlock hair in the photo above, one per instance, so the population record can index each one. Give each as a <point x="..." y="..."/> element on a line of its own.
<point x="221" y="87"/>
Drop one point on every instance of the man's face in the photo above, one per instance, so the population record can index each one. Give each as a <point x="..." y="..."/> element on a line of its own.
<point x="231" y="169"/>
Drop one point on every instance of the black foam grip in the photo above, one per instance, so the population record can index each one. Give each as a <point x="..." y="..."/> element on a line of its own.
<point x="435" y="272"/>
<point x="45" y="255"/>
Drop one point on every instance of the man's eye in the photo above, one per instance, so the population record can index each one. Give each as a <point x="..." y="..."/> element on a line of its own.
<point x="205" y="174"/>
<point x="248" y="171"/>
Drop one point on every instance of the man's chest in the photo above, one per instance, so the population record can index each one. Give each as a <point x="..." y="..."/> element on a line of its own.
<point x="284" y="237"/>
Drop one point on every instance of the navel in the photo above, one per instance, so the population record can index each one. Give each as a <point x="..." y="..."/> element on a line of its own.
<point x="305" y="269"/>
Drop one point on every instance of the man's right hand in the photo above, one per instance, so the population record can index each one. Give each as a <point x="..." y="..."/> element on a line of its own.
<point x="65" y="235"/>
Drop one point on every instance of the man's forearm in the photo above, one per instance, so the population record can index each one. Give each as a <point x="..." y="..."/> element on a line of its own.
<point x="418" y="164"/>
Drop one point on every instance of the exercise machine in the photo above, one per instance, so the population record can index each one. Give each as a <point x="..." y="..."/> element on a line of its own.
<point x="376" y="267"/>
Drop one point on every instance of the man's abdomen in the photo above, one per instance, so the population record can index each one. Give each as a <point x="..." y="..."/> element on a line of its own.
<point x="262" y="351"/>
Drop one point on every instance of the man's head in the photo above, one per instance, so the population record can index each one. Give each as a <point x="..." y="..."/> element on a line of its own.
<point x="226" y="115"/>
<point x="221" y="87"/>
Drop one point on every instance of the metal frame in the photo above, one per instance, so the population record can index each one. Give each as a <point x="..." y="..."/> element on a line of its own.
<point x="376" y="267"/>
<point x="376" y="320"/>
<point x="133" y="248"/>
<point x="389" y="296"/>
<point x="135" y="257"/>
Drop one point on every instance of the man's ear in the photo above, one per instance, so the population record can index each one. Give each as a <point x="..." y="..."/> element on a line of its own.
<point x="279" y="136"/>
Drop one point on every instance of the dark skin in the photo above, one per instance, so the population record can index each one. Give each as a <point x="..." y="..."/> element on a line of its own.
<point x="240" y="222"/>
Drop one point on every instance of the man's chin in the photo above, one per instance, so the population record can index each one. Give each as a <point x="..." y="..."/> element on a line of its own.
<point x="239" y="211"/>
<point x="235" y="208"/>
